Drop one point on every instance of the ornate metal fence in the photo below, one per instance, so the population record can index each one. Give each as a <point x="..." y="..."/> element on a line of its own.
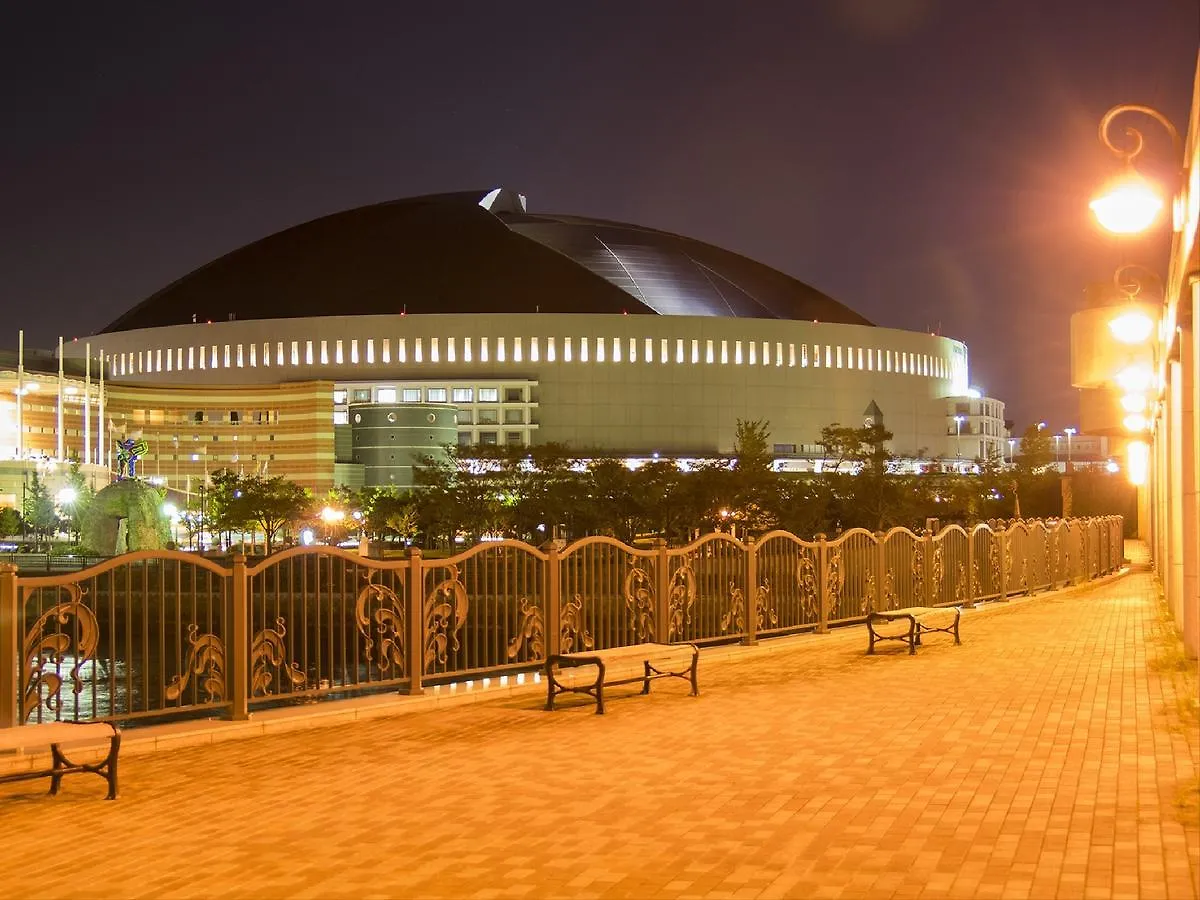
<point x="157" y="634"/>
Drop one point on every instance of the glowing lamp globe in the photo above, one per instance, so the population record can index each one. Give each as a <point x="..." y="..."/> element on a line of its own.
<point x="1133" y="403"/>
<point x="1135" y="422"/>
<point x="1129" y="205"/>
<point x="1131" y="327"/>
<point x="1135" y="379"/>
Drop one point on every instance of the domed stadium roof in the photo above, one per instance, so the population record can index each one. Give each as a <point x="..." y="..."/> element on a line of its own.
<point x="478" y="252"/>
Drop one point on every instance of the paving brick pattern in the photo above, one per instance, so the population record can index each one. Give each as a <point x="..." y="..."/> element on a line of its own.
<point x="1047" y="757"/>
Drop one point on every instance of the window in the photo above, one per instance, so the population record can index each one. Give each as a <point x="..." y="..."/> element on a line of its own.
<point x="784" y="448"/>
<point x="489" y="417"/>
<point x="489" y="395"/>
<point x="341" y="417"/>
<point x="362" y="395"/>
<point x="411" y="395"/>
<point x="198" y="416"/>
<point x="463" y="417"/>
<point x="464" y="439"/>
<point x="235" y="417"/>
<point x="339" y="396"/>
<point x="513" y="437"/>
<point x="385" y="395"/>
<point x="487" y="437"/>
<point x="514" y="417"/>
<point x="436" y="395"/>
<point x="463" y="395"/>
<point x="514" y="395"/>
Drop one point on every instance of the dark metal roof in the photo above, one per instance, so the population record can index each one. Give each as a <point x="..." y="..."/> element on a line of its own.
<point x="477" y="252"/>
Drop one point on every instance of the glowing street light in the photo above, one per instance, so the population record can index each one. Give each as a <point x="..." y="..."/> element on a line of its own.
<point x="1069" y="432"/>
<point x="1133" y="403"/>
<point x="1129" y="204"/>
<point x="958" y="420"/>
<point x="1131" y="327"/>
<point x="1135" y="422"/>
<point x="1135" y="379"/>
<point x="66" y="496"/>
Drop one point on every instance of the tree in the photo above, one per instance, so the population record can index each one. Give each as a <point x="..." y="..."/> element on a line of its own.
<point x="268" y="503"/>
<point x="39" y="513"/>
<point x="74" y="510"/>
<point x="10" y="521"/>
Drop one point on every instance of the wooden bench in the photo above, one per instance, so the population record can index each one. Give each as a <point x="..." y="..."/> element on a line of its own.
<point x="620" y="665"/>
<point x="918" y="624"/>
<point x="53" y="735"/>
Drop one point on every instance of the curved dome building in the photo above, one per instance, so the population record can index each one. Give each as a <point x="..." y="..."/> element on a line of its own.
<point x="530" y="328"/>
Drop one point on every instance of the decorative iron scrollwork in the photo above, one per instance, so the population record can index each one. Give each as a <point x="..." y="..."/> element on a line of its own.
<point x="834" y="581"/>
<point x="205" y="660"/>
<point x="573" y="635"/>
<point x="937" y="567"/>
<point x="445" y="612"/>
<point x="268" y="653"/>
<point x="868" y="600"/>
<point x="735" y="617"/>
<point x="639" y="600"/>
<point x="389" y="626"/>
<point x="890" y="597"/>
<point x="806" y="580"/>
<point x="681" y="595"/>
<point x="767" y="616"/>
<point x="976" y="580"/>
<point x="960" y="585"/>
<point x="39" y="650"/>
<point x="532" y="633"/>
<point x="994" y="560"/>
<point x="918" y="572"/>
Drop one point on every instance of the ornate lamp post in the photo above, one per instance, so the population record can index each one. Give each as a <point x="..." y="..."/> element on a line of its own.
<point x="1129" y="203"/>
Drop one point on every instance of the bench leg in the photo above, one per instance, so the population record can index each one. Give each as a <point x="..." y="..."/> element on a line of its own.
<point x="549" y="687"/>
<point x="871" y="639"/>
<point x="60" y="762"/>
<point x="600" y="689"/>
<point x="646" y="677"/>
<point x="956" y="620"/>
<point x="914" y="637"/>
<point x="695" y="671"/>
<point x="110" y="766"/>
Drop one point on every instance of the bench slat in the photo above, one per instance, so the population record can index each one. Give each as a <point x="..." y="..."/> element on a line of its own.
<point x="47" y="733"/>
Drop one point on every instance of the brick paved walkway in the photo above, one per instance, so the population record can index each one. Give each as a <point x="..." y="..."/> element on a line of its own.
<point x="1049" y="756"/>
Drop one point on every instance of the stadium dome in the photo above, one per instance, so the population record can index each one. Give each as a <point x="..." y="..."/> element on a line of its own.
<point x="478" y="252"/>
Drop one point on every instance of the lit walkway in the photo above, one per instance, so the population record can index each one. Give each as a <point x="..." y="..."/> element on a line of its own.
<point x="1049" y="756"/>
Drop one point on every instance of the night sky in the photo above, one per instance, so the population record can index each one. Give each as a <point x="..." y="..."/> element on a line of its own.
<point x="926" y="162"/>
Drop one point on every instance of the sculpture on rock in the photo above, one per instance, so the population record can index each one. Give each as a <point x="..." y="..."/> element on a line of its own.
<point x="129" y="451"/>
<point x="127" y="515"/>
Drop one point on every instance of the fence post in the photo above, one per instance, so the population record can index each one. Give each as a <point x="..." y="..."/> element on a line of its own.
<point x="970" y="593"/>
<point x="751" y="636"/>
<point x="880" y="598"/>
<point x="9" y="663"/>
<point x="554" y="601"/>
<point x="1002" y="537"/>
<point x="239" y="640"/>
<point x="822" y="585"/>
<point x="662" y="601"/>
<point x="416" y="623"/>
<point x="927" y="561"/>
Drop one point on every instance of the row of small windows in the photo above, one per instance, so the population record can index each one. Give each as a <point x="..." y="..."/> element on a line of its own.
<point x="664" y="350"/>
<point x="430" y="395"/>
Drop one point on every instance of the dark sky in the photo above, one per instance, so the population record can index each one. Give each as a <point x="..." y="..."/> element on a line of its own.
<point x="926" y="162"/>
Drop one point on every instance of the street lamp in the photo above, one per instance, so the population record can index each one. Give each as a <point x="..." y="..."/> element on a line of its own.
<point x="1056" y="438"/>
<point x="1069" y="432"/>
<point x="958" y="420"/>
<point x="1012" y="445"/>
<point x="1129" y="203"/>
